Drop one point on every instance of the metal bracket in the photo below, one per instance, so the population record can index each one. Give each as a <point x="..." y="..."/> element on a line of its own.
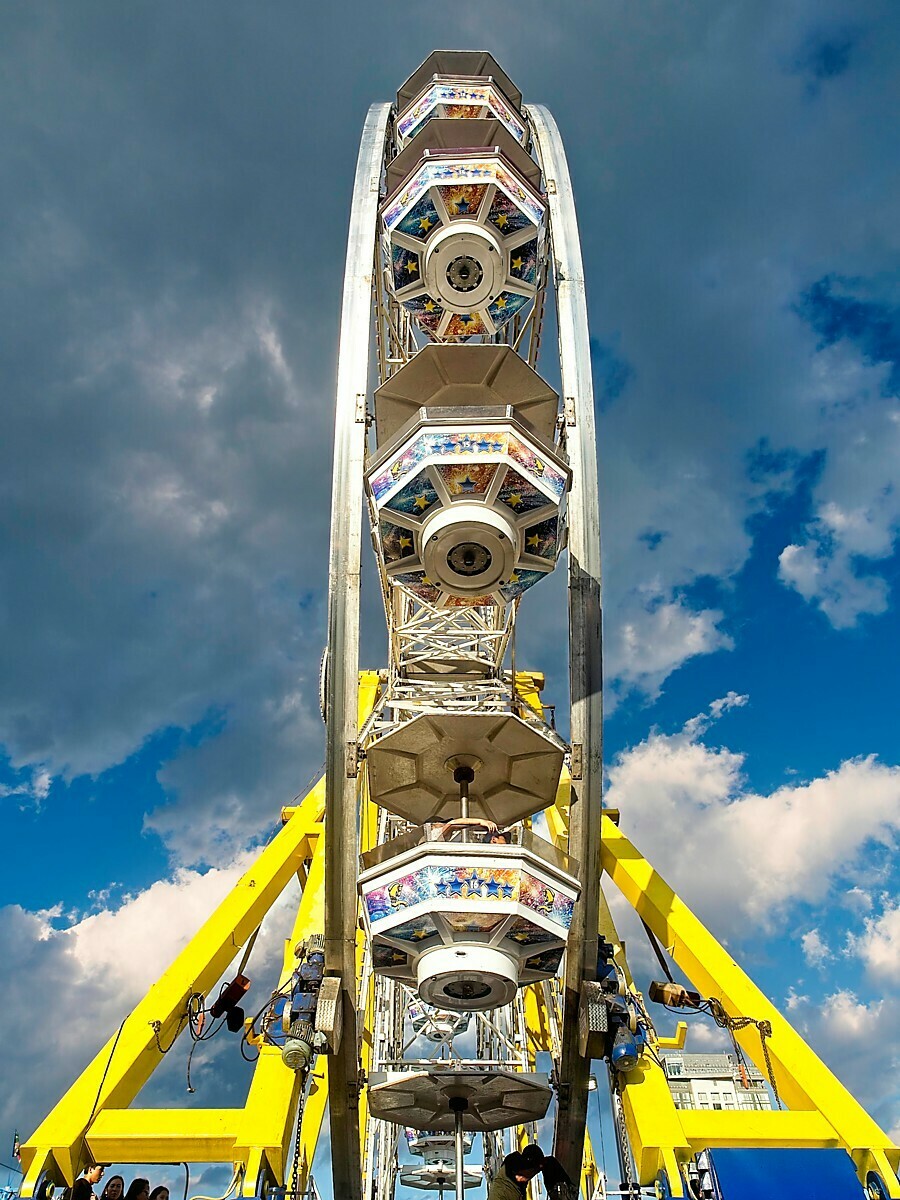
<point x="329" y="1013"/>
<point x="569" y="409"/>
<point x="576" y="764"/>
<point x="353" y="758"/>
<point x="360" y="414"/>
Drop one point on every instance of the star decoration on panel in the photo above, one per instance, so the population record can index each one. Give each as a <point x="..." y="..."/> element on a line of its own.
<point x="458" y="503"/>
<point x="465" y="238"/>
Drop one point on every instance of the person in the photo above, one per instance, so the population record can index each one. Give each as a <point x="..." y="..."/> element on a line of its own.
<point x="159" y="1193"/>
<point x="115" y="1188"/>
<point x="83" y="1187"/>
<point x="445" y="832"/>
<point x="512" y="1180"/>
<point x="138" y="1189"/>
<point x="520" y="1167"/>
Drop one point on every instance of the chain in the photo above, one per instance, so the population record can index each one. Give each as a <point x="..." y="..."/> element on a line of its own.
<point x="629" y="1182"/>
<point x="294" y="1178"/>
<point x="734" y="1024"/>
<point x="156" y="1026"/>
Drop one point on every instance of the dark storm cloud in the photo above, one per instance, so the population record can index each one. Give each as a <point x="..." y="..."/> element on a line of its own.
<point x="834" y="312"/>
<point x="174" y="199"/>
<point x="826" y="55"/>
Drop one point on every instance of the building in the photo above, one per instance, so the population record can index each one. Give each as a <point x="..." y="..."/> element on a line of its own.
<point x="715" y="1081"/>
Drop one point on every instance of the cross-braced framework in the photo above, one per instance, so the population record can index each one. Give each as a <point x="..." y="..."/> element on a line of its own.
<point x="420" y="1094"/>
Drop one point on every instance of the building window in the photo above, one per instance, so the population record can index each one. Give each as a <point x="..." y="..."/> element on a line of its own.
<point x="729" y="1100"/>
<point x="703" y="1099"/>
<point x="673" y="1066"/>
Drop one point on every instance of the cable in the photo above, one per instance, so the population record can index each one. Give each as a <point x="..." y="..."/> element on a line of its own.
<point x="657" y="950"/>
<point x="103" y="1080"/>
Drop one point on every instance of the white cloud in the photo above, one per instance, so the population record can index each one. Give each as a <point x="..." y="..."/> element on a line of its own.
<point x="815" y="948"/>
<point x="654" y="636"/>
<point x="84" y="978"/>
<point x="737" y="854"/>
<point x="879" y="945"/>
<point x="850" y="1034"/>
<point x="857" y="513"/>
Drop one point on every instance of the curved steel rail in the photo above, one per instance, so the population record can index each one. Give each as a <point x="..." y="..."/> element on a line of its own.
<point x="341" y="790"/>
<point x="585" y="645"/>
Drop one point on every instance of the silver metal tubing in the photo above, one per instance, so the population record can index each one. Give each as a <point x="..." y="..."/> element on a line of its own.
<point x="341" y="789"/>
<point x="585" y="653"/>
<point x="460" y="1156"/>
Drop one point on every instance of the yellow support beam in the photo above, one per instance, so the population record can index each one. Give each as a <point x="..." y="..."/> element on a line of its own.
<point x="164" y="1135"/>
<point x="818" y="1100"/>
<point x="267" y="1119"/>
<point x="94" y="1112"/>
<point x="706" y="1129"/>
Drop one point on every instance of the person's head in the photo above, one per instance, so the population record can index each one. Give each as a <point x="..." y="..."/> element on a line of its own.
<point x="160" y="1193"/>
<point x="531" y="1159"/>
<point x="138" y="1189"/>
<point x="114" y="1189"/>
<point x="95" y="1173"/>
<point x="499" y="838"/>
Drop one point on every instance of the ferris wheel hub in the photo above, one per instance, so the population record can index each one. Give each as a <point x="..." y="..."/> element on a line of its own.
<point x="464" y="266"/>
<point x="467" y="978"/>
<point x="469" y="548"/>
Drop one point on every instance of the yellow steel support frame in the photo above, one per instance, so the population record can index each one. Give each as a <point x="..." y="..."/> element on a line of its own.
<point x="822" y="1111"/>
<point x="92" y="1121"/>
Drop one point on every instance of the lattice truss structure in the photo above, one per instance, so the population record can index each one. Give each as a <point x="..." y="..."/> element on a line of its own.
<point x="453" y="972"/>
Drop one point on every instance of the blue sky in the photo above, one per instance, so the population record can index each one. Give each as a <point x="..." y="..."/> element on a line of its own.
<point x="173" y="209"/>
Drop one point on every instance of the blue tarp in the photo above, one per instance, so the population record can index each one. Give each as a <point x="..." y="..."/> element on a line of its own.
<point x="791" y="1174"/>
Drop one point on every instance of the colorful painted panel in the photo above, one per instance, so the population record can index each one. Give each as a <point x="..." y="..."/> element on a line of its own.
<point x="505" y="306"/>
<point x="464" y="325"/>
<point x="547" y="962"/>
<point x="519" y="582"/>
<point x="523" y="262"/>
<point x="405" y="267"/>
<point x="443" y="882"/>
<point x="527" y="934"/>
<point x="418" y="930"/>
<point x="463" y="200"/>
<point x="535" y="465"/>
<point x="426" y="311"/>
<point x="471" y="441"/>
<point x="420" y="220"/>
<point x="462" y="111"/>
<point x="461" y="171"/>
<point x="407" y="197"/>
<point x="528" y="200"/>
<point x="541" y="539"/>
<point x="384" y="957"/>
<point x="397" y="542"/>
<point x="420" y="585"/>
<point x="505" y="113"/>
<point x="458" y="100"/>
<point x="520" y="494"/>
<point x="467" y="479"/>
<point x="468" y="601"/>
<point x="473" y="922"/>
<point x="506" y="215"/>
<point x="416" y="498"/>
<point x="549" y="902"/>
<point x="477" y="883"/>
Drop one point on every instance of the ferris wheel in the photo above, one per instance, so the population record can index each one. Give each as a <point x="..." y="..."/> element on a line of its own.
<point x="454" y="970"/>
<point x="474" y="475"/>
